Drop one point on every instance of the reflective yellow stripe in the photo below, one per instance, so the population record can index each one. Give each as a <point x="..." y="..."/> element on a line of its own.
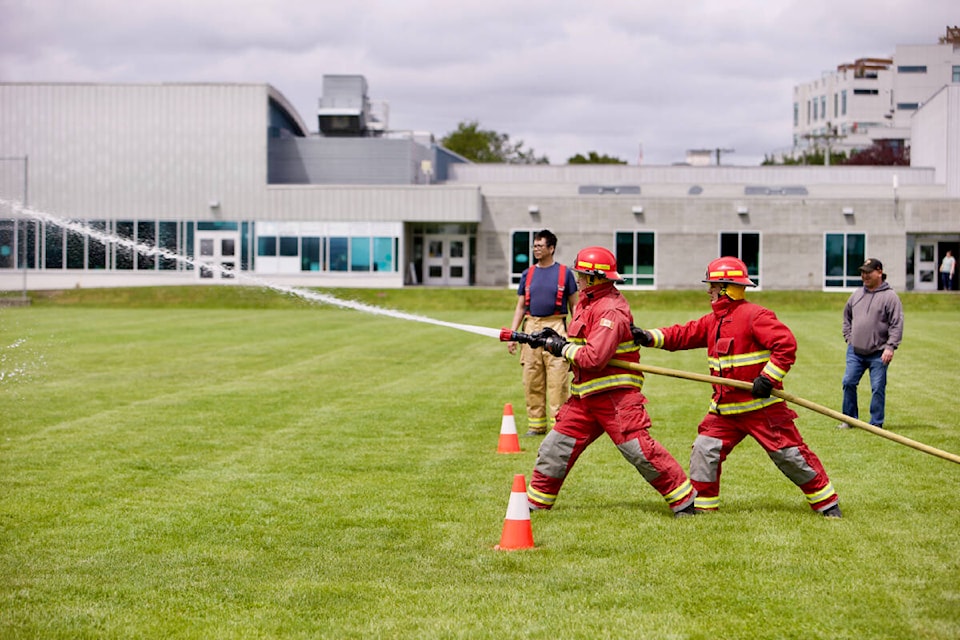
<point x="739" y="359"/>
<point x="657" y="336"/>
<point x="540" y="497"/>
<point x="728" y="408"/>
<point x="607" y="382"/>
<point x="536" y="423"/>
<point x="627" y="347"/>
<point x="706" y="503"/>
<point x="679" y="492"/>
<point x="821" y="495"/>
<point x="774" y="372"/>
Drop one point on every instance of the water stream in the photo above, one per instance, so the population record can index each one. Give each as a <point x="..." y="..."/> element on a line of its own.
<point x="313" y="296"/>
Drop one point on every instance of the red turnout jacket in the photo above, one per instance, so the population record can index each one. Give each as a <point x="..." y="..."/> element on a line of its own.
<point x="743" y="340"/>
<point x="598" y="333"/>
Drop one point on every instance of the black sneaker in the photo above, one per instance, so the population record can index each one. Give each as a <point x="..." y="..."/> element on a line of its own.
<point x="832" y="512"/>
<point x="685" y="512"/>
<point x="531" y="433"/>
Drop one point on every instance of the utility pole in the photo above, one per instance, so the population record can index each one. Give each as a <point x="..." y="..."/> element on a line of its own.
<point x="719" y="151"/>
<point x="827" y="137"/>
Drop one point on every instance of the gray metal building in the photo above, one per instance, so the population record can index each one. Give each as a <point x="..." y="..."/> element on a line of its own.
<point x="229" y="177"/>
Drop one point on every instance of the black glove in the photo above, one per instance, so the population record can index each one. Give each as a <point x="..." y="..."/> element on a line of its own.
<point x="550" y="340"/>
<point x="762" y="386"/>
<point x="641" y="337"/>
<point x="555" y="344"/>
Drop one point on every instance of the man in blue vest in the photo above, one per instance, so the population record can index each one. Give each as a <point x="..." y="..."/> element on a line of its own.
<point x="547" y="292"/>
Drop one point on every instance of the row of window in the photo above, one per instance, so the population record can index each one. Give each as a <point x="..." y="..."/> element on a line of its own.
<point x="817" y="106"/>
<point x="636" y="256"/>
<point x="39" y="245"/>
<point x="335" y="253"/>
<point x="36" y="245"/>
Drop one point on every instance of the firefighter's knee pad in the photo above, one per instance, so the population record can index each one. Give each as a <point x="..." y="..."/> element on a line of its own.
<point x="792" y="464"/>
<point x="705" y="458"/>
<point x="634" y="455"/>
<point x="554" y="454"/>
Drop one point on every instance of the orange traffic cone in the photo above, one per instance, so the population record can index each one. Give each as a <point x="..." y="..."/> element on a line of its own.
<point x="509" y="442"/>
<point x="517" y="533"/>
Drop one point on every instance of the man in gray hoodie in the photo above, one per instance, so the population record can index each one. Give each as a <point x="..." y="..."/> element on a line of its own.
<point x="873" y="328"/>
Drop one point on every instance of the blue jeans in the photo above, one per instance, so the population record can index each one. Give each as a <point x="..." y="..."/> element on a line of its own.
<point x="856" y="366"/>
<point x="946" y="280"/>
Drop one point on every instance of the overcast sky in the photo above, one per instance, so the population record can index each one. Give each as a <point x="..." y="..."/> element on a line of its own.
<point x="562" y="76"/>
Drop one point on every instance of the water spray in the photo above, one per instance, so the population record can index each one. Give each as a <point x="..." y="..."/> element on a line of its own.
<point x="313" y="296"/>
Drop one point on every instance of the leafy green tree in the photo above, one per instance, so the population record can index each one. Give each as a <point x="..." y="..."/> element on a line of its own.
<point x="482" y="145"/>
<point x="593" y="157"/>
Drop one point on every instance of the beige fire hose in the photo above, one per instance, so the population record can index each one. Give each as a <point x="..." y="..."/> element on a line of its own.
<point x="789" y="397"/>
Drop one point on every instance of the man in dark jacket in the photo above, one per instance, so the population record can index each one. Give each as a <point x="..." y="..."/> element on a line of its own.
<point x="873" y="328"/>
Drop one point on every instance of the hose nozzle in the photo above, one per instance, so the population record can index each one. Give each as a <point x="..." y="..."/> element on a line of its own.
<point x="506" y="335"/>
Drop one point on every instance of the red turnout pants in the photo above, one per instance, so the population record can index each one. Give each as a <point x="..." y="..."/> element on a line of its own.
<point x="621" y="415"/>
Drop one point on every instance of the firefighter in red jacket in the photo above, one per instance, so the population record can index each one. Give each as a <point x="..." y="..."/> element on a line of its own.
<point x="746" y="342"/>
<point x="603" y="398"/>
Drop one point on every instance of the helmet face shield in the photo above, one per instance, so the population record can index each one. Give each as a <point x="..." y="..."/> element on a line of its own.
<point x="728" y="270"/>
<point x="598" y="262"/>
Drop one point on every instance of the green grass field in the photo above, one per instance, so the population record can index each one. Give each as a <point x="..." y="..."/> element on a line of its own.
<point x="230" y="462"/>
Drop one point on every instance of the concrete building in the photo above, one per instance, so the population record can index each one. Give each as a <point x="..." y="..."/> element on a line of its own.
<point x="228" y="181"/>
<point x="873" y="99"/>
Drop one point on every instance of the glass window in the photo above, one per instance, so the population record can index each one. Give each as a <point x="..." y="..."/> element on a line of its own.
<point x="146" y="235"/>
<point x="919" y="68"/>
<point x="843" y="255"/>
<point x="745" y="246"/>
<point x="168" y="242"/>
<point x="310" y="254"/>
<point x="843" y="102"/>
<point x="338" y="254"/>
<point x="521" y="252"/>
<point x="385" y="254"/>
<point x="360" y="254"/>
<point x="908" y="106"/>
<point x="53" y="254"/>
<point x="96" y="250"/>
<point x="956" y="73"/>
<point x="267" y="246"/>
<point x="7" y="237"/>
<point x="76" y="249"/>
<point x="124" y="258"/>
<point x="289" y="246"/>
<point x="635" y="257"/>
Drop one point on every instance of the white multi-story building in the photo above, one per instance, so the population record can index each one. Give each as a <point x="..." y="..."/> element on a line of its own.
<point x="873" y="98"/>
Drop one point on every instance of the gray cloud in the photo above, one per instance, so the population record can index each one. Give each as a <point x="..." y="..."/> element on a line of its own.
<point x="565" y="77"/>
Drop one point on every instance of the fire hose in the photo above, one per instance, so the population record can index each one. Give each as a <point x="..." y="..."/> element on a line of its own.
<point x="515" y="336"/>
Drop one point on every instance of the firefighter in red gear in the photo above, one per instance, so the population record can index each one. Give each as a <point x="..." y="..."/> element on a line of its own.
<point x="746" y="342"/>
<point x="603" y="398"/>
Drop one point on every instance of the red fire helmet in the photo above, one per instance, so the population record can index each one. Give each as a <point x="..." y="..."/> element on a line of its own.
<point x="730" y="270"/>
<point x="597" y="261"/>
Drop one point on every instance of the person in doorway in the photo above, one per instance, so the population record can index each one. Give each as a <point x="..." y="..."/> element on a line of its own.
<point x="947" y="266"/>
<point x="604" y="398"/>
<point x="547" y="292"/>
<point x="873" y="329"/>
<point x="745" y="342"/>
